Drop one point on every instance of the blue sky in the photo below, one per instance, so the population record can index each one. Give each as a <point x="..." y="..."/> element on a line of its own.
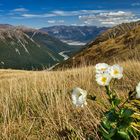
<point x="41" y="13"/>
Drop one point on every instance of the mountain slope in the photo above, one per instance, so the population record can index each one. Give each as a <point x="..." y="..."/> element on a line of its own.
<point x="117" y="44"/>
<point x="4" y="26"/>
<point x="22" y="48"/>
<point x="74" y="34"/>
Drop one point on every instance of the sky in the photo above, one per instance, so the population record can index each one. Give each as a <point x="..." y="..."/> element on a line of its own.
<point x="44" y="13"/>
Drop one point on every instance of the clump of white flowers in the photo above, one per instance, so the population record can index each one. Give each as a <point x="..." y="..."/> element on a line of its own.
<point x="119" y="121"/>
<point x="138" y="91"/>
<point x="101" y="68"/>
<point x="116" y="71"/>
<point x="79" y="97"/>
<point x="104" y="73"/>
<point x="103" y="79"/>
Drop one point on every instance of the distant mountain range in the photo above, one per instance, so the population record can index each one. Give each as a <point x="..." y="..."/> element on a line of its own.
<point x="119" y="43"/>
<point x="24" y="48"/>
<point x="74" y="35"/>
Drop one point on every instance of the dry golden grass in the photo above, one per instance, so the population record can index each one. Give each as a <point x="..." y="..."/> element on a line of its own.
<point x="37" y="105"/>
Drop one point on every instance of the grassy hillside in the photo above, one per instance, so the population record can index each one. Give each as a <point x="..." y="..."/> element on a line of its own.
<point x="37" y="105"/>
<point x="120" y="43"/>
<point x="22" y="48"/>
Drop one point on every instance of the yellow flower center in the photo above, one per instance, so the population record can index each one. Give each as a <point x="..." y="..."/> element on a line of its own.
<point x="103" y="69"/>
<point x="104" y="79"/>
<point x="79" y="94"/>
<point x="116" y="72"/>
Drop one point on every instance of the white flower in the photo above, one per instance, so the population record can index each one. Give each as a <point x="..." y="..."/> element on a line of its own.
<point x="103" y="79"/>
<point x="101" y="68"/>
<point x="79" y="97"/>
<point x="116" y="71"/>
<point x="138" y="91"/>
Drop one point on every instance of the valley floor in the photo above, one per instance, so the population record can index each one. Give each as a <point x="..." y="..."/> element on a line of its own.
<point x="37" y="105"/>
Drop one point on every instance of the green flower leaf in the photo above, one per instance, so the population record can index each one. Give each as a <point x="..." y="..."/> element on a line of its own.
<point x="111" y="115"/>
<point x="124" y="135"/>
<point x="126" y="113"/>
<point x="117" y="102"/>
<point x="106" y="124"/>
<point x="107" y="131"/>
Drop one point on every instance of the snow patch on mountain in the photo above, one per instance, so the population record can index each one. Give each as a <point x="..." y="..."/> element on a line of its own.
<point x="64" y="55"/>
<point x="2" y="62"/>
<point x="76" y="43"/>
<point x="26" y="50"/>
<point x="17" y="51"/>
<point x="50" y="68"/>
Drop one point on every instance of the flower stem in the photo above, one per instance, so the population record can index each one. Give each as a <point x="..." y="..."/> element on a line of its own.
<point x="109" y="93"/>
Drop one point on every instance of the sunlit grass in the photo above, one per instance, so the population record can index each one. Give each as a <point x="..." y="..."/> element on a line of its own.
<point x="37" y="105"/>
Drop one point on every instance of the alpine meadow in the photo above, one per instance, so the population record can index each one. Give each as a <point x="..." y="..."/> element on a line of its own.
<point x="37" y="105"/>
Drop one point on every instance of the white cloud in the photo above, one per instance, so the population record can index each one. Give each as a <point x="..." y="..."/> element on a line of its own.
<point x="16" y="13"/>
<point x="37" y="15"/>
<point x="51" y="21"/>
<point x="55" y="21"/>
<point x="20" y="10"/>
<point x="109" y="18"/>
<point x="74" y="24"/>
<point x="46" y="15"/>
<point x="30" y="15"/>
<point x="116" y="14"/>
<point x="135" y="4"/>
<point x="86" y="17"/>
<point x="61" y="21"/>
<point x="61" y="13"/>
<point x="75" y="13"/>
